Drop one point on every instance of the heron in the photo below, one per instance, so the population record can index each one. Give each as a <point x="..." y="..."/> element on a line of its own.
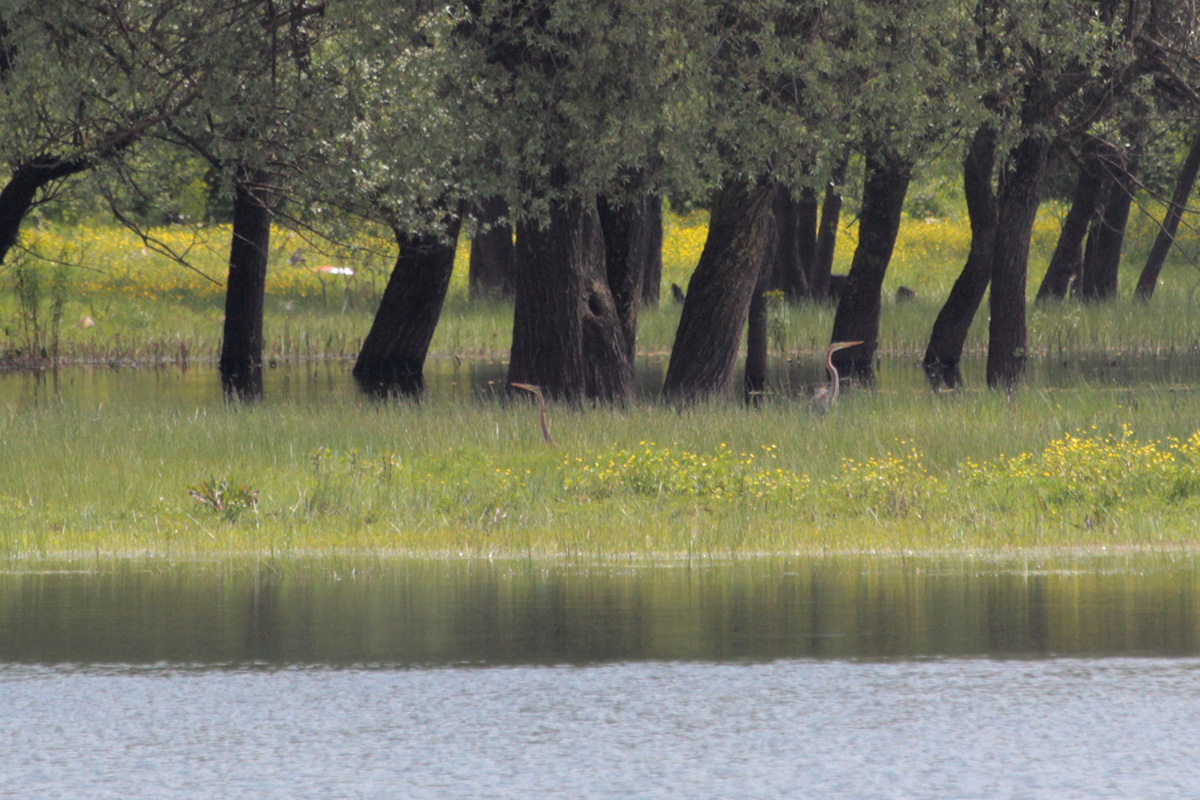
<point x="537" y="390"/>
<point x="824" y="397"/>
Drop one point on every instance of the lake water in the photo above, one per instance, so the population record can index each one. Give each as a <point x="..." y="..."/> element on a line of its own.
<point x="1064" y="677"/>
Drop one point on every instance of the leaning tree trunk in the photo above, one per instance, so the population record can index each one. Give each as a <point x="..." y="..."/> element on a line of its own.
<point x="567" y="334"/>
<point x="493" y="259"/>
<point x="1102" y="261"/>
<point x="1166" y="234"/>
<point x="949" y="335"/>
<point x="1090" y="190"/>
<point x="718" y="296"/>
<point x="392" y="359"/>
<point x="19" y="193"/>
<point x="831" y="209"/>
<point x="1020" y="189"/>
<point x="857" y="317"/>
<point x="245" y="289"/>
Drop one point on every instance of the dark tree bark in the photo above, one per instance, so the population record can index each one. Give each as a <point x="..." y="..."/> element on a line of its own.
<point x="1017" y="204"/>
<point x="1148" y="280"/>
<point x="949" y="334"/>
<point x="19" y="194"/>
<point x="795" y="243"/>
<point x="245" y="289"/>
<point x="493" y="258"/>
<point x="1102" y="259"/>
<point x="1090" y="190"/>
<point x="567" y="334"/>
<point x="627" y="242"/>
<point x="857" y="316"/>
<point x="652" y="281"/>
<point x="719" y="293"/>
<point x="831" y="209"/>
<point x="392" y="359"/>
<point x="754" y="379"/>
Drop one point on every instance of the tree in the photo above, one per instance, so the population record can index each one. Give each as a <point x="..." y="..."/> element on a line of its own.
<point x="857" y="318"/>
<point x="583" y="102"/>
<point x="943" y="354"/>
<point x="1165" y="239"/>
<point x="82" y="84"/>
<point x="720" y="292"/>
<point x="1091" y="189"/>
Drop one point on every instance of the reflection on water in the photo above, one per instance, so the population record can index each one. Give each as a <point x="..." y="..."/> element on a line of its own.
<point x="838" y="677"/>
<point x="446" y="378"/>
<point x="430" y="613"/>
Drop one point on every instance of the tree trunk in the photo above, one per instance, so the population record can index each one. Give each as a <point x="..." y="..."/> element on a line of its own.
<point x="1166" y="234"/>
<point x="392" y="359"/>
<point x="949" y="334"/>
<point x="754" y="379"/>
<point x="567" y="335"/>
<point x="795" y="243"/>
<point x="857" y="317"/>
<point x="1020" y="189"/>
<point x="718" y="296"/>
<point x="627" y="236"/>
<point x="21" y="190"/>
<point x="493" y="259"/>
<point x="1102" y="261"/>
<point x="652" y="280"/>
<point x="831" y="209"/>
<point x="245" y="289"/>
<point x="1090" y="190"/>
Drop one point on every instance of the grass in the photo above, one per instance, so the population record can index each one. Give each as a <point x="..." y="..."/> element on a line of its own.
<point x="1063" y="464"/>
<point x="885" y="472"/>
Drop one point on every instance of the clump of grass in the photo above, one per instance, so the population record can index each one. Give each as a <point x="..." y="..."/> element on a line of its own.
<point x="225" y="499"/>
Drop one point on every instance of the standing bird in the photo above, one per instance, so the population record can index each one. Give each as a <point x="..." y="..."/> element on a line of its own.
<point x="529" y="387"/>
<point x="824" y="397"/>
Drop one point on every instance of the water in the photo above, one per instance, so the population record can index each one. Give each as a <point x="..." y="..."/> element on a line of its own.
<point x="850" y="677"/>
<point x="324" y="382"/>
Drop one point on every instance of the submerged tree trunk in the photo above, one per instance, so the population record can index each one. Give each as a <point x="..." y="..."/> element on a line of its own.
<point x="493" y="259"/>
<point x="1102" y="259"/>
<point x="719" y="293"/>
<point x="392" y="359"/>
<point x="949" y="335"/>
<point x="245" y="289"/>
<point x="567" y="334"/>
<point x="1090" y="190"/>
<point x="831" y="209"/>
<point x="1020" y="190"/>
<point x="857" y="318"/>
<point x="1148" y="280"/>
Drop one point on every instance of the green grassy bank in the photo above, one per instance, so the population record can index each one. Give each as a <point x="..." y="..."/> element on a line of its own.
<point x="887" y="472"/>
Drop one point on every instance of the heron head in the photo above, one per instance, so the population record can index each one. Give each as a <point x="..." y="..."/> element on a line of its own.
<point x="833" y="348"/>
